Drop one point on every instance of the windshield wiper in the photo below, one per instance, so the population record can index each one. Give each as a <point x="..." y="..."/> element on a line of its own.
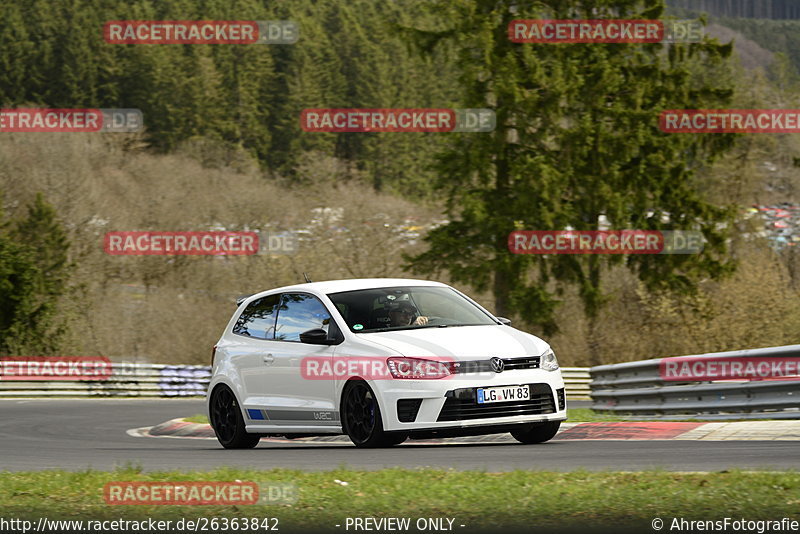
<point x="415" y="327"/>
<point x="400" y="328"/>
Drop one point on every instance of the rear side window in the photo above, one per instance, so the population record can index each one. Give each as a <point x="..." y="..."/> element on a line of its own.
<point x="258" y="319"/>
<point x="298" y="313"/>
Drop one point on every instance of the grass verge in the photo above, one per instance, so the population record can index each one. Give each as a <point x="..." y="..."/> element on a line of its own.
<point x="199" y="418"/>
<point x="587" y="415"/>
<point x="478" y="500"/>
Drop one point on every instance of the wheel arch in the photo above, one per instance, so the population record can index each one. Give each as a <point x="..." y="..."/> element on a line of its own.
<point x="213" y="387"/>
<point x="375" y="392"/>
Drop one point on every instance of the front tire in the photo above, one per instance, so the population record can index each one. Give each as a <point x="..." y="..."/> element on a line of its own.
<point x="226" y="419"/>
<point x="361" y="418"/>
<point x="395" y="438"/>
<point x="537" y="432"/>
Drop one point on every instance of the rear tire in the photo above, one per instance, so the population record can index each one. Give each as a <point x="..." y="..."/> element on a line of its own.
<point x="537" y="432"/>
<point x="361" y="418"/>
<point x="226" y="419"/>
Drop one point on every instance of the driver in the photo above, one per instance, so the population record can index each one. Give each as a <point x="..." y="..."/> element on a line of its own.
<point x="405" y="313"/>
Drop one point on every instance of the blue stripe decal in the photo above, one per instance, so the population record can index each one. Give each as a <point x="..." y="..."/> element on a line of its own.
<point x="255" y="414"/>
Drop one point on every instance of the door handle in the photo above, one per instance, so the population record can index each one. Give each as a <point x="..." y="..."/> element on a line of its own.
<point x="269" y="358"/>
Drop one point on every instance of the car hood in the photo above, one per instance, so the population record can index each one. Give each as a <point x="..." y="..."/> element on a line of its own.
<point x="460" y="342"/>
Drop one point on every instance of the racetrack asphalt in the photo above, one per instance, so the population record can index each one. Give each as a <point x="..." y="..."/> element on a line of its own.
<point x="75" y="434"/>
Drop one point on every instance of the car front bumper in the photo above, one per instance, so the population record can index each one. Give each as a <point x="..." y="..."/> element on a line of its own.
<point x="450" y="403"/>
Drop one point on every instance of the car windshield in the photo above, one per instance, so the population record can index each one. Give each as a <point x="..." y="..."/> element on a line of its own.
<point x="404" y="308"/>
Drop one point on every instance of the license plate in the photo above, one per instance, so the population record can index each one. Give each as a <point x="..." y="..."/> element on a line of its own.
<point x="504" y="394"/>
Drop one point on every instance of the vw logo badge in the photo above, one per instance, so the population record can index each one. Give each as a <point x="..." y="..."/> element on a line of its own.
<point x="497" y="365"/>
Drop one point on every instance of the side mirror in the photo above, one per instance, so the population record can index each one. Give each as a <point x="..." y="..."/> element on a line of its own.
<point x="315" y="336"/>
<point x="504" y="321"/>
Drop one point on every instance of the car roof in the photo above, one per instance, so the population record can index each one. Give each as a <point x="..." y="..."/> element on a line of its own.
<point x="336" y="286"/>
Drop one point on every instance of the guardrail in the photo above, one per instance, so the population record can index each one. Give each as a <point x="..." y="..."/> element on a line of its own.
<point x="576" y="380"/>
<point x="156" y="380"/>
<point x="126" y="380"/>
<point x="639" y="389"/>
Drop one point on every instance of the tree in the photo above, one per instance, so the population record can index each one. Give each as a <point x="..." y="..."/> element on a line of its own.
<point x="15" y="48"/>
<point x="17" y="287"/>
<point x="577" y="137"/>
<point x="43" y="234"/>
<point x="34" y="275"/>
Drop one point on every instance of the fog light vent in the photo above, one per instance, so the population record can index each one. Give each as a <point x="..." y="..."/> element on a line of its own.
<point x="407" y="410"/>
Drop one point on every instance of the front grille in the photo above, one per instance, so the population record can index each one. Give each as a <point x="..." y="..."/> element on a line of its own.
<point x="512" y="364"/>
<point x="407" y="410"/>
<point x="462" y="404"/>
<point x="485" y="366"/>
<point x="562" y="402"/>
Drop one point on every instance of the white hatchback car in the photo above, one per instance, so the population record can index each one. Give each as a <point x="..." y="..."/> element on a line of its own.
<point x="380" y="360"/>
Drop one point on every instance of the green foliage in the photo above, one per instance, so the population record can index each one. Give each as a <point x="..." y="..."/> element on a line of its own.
<point x="577" y="138"/>
<point x="768" y="9"/>
<point x="34" y="275"/>
<point x="780" y="36"/>
<point x="43" y="235"/>
<point x="17" y="287"/>
<point x="517" y="501"/>
<point x="242" y="97"/>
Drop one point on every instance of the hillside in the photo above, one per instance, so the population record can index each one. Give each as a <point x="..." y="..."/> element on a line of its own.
<point x="754" y="25"/>
<point x="356" y="202"/>
<point x="761" y="9"/>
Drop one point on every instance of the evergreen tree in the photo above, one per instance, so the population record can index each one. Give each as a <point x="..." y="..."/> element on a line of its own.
<point x="43" y="234"/>
<point x="15" y="51"/>
<point x="247" y="97"/>
<point x="17" y="290"/>
<point x="577" y="137"/>
<point x="34" y="275"/>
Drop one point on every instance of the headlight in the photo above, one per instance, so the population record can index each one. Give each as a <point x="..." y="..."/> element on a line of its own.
<point x="417" y="368"/>
<point x="549" y="362"/>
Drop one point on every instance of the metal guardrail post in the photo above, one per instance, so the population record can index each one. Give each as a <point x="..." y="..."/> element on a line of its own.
<point x="576" y="382"/>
